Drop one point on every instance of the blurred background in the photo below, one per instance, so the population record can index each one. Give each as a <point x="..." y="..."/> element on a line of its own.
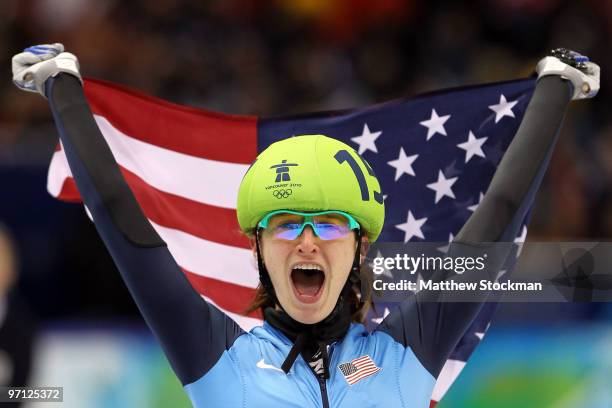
<point x="70" y="320"/>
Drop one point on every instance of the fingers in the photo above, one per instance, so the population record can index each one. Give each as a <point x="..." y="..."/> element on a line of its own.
<point x="25" y="58"/>
<point x="22" y="63"/>
<point x="35" y="65"/>
<point x="592" y="68"/>
<point x="35" y="54"/>
<point x="45" y="51"/>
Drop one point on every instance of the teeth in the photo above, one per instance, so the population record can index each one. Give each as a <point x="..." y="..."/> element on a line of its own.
<point x="307" y="266"/>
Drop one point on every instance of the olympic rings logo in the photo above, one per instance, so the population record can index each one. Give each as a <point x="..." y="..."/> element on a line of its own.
<point x="282" y="193"/>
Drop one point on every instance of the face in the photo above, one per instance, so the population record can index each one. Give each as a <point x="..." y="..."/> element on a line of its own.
<point x="308" y="273"/>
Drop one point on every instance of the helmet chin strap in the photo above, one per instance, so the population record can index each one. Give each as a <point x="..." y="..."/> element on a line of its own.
<point x="355" y="276"/>
<point x="318" y="335"/>
<point x="264" y="276"/>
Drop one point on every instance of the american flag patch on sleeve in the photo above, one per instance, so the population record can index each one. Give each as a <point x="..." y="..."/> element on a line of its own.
<point x="358" y="369"/>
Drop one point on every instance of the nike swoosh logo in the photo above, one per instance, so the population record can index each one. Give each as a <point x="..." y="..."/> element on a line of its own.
<point x="261" y="364"/>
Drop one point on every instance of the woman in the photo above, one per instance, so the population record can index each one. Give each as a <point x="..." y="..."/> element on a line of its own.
<point x="309" y="247"/>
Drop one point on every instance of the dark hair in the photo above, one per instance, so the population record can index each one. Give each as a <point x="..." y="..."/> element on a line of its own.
<point x="360" y="297"/>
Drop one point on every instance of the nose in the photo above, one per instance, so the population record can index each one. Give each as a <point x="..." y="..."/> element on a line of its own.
<point x="307" y="242"/>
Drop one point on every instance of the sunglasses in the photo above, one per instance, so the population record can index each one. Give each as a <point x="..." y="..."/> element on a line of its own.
<point x="327" y="225"/>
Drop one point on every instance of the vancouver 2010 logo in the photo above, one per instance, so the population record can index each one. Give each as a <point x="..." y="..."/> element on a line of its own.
<point x="282" y="171"/>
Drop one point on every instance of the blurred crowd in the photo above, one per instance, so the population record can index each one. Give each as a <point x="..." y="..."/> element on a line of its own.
<point x="273" y="57"/>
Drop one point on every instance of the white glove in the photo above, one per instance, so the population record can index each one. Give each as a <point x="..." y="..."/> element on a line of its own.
<point x="36" y="64"/>
<point x="576" y="68"/>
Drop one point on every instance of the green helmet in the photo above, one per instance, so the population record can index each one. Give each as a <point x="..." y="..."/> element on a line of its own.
<point x="311" y="173"/>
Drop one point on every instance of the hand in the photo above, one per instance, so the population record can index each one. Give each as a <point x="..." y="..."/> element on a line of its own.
<point x="576" y="68"/>
<point x="35" y="65"/>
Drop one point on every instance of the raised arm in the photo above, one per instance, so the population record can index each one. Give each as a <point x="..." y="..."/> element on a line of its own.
<point x="192" y="333"/>
<point x="428" y="324"/>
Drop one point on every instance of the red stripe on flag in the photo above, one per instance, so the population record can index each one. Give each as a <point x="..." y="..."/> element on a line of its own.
<point x="69" y="191"/>
<point x="196" y="132"/>
<point x="208" y="222"/>
<point x="433" y="403"/>
<point x="204" y="221"/>
<point x="228" y="296"/>
<point x="363" y="370"/>
<point x="361" y="360"/>
<point x="360" y="375"/>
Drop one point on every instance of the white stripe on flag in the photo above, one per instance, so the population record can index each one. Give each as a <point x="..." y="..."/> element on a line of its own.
<point x="206" y="181"/>
<point x="447" y="376"/>
<point x="361" y="374"/>
<point x="206" y="258"/>
<point x="58" y="173"/>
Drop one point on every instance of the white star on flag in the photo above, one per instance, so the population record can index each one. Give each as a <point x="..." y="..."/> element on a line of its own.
<point x="503" y="108"/>
<point x="500" y="274"/>
<point x="419" y="278"/>
<point x="473" y="146"/>
<point x="442" y="187"/>
<point x="435" y="124"/>
<point x="367" y="140"/>
<point x="520" y="240"/>
<point x="473" y="208"/>
<point x="386" y="272"/>
<point x="403" y="164"/>
<point x="444" y="248"/>
<point x="412" y="227"/>
<point x="379" y="320"/>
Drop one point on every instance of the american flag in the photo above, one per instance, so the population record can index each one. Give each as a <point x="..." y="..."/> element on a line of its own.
<point x="358" y="369"/>
<point x="434" y="155"/>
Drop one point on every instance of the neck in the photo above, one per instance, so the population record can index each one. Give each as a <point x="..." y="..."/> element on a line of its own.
<point x="311" y="340"/>
<point x="328" y="330"/>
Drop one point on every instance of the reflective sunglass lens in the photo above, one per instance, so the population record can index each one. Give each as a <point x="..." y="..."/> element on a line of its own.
<point x="327" y="226"/>
<point x="288" y="233"/>
<point x="332" y="231"/>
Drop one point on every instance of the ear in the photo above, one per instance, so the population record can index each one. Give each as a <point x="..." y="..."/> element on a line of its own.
<point x="365" y="245"/>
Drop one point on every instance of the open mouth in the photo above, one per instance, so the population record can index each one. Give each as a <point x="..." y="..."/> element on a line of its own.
<point x="307" y="282"/>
